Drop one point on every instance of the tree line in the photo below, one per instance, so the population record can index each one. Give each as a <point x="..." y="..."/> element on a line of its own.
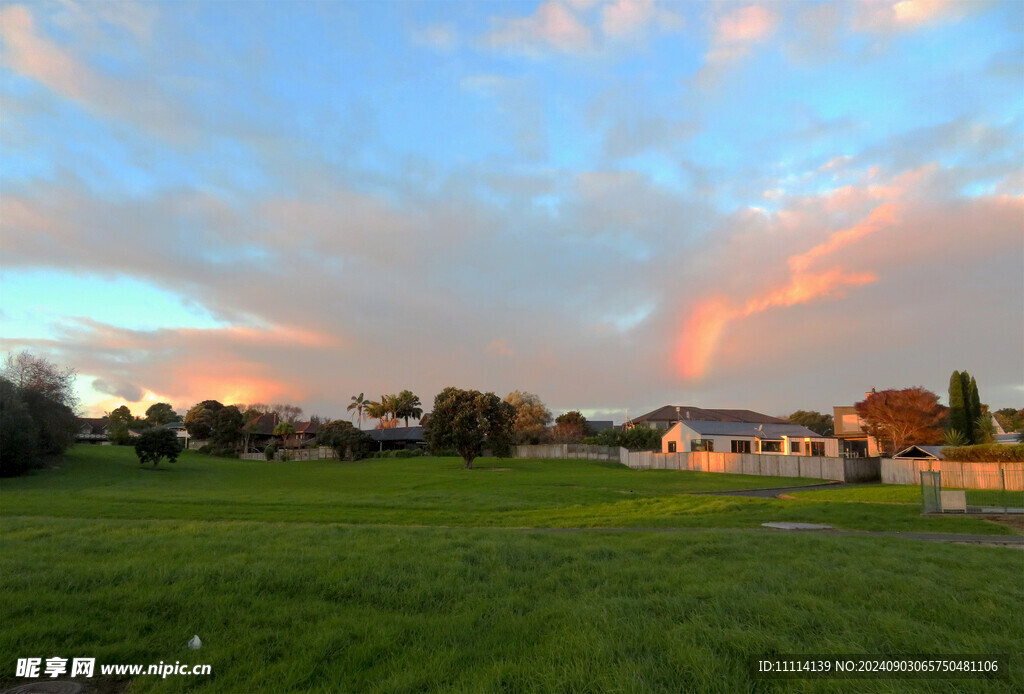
<point x="37" y="412"/>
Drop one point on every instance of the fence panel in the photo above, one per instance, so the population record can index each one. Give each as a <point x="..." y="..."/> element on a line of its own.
<point x="931" y="492"/>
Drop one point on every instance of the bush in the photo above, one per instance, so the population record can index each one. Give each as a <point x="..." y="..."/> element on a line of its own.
<point x="345" y="440"/>
<point x="205" y="449"/>
<point x="635" y="439"/>
<point x="985" y="453"/>
<point x="270" y="451"/>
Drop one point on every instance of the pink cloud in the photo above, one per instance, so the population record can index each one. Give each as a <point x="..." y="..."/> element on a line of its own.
<point x="552" y="27"/>
<point x="31" y="55"/>
<point x="745" y="25"/>
<point x="883" y="16"/>
<point x="734" y="36"/>
<point x="624" y="18"/>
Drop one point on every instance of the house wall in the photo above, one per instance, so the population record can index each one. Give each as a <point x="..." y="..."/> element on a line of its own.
<point x="681" y="435"/>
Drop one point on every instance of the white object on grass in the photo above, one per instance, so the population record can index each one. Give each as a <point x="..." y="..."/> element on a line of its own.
<point x="195" y="643"/>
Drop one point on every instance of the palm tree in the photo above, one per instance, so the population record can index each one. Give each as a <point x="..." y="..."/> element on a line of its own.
<point x="284" y="429"/>
<point x="378" y="409"/>
<point x="407" y="406"/>
<point x="358" y="404"/>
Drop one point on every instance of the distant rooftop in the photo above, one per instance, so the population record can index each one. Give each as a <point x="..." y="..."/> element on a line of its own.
<point x="674" y="413"/>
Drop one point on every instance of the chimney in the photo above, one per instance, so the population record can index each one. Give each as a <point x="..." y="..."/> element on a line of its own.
<point x="868" y="395"/>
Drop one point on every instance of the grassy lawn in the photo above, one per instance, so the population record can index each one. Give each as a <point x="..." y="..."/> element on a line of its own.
<point x="415" y="576"/>
<point x="908" y="494"/>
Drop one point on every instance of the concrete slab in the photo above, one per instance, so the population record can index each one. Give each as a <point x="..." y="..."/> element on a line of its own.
<point x="797" y="526"/>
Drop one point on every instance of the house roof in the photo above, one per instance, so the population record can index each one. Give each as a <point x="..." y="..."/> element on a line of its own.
<point x="673" y="413"/>
<point x="97" y="425"/>
<point x="397" y="434"/>
<point x="921" y="453"/>
<point x="763" y="431"/>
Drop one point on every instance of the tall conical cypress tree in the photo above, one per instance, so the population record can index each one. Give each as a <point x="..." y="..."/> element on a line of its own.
<point x="974" y="410"/>
<point x="957" y="406"/>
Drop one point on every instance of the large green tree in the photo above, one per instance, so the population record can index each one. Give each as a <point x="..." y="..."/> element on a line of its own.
<point x="119" y="421"/>
<point x="532" y="417"/>
<point x="199" y="419"/>
<point x="958" y="416"/>
<point x="467" y="420"/>
<point x="974" y="410"/>
<point x="570" y="427"/>
<point x="155" y="444"/>
<point x="226" y="432"/>
<point x="815" y="421"/>
<point x="161" y="413"/>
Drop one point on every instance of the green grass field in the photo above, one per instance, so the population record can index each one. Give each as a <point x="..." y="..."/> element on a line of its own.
<point x="416" y="576"/>
<point x="909" y="494"/>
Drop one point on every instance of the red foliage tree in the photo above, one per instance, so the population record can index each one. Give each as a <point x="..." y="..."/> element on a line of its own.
<point x="900" y="418"/>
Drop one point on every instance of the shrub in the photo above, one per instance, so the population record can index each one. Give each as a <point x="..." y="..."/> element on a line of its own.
<point x="985" y="453"/>
<point x="205" y="449"/>
<point x="635" y="439"/>
<point x="269" y="452"/>
<point x="345" y="440"/>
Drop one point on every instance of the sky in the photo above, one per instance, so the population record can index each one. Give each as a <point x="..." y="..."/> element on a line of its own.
<point x="614" y="204"/>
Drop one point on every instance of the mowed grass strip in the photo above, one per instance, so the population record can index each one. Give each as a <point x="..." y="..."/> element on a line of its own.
<point x="294" y="607"/>
<point x="107" y="482"/>
<point x="907" y="494"/>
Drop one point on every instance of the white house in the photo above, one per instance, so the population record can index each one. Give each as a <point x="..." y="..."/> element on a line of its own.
<point x="747" y="437"/>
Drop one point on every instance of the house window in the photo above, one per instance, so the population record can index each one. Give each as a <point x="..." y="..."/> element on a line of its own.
<point x="671" y="446"/>
<point x="818" y="448"/>
<point x="771" y="446"/>
<point x="740" y="446"/>
<point x="794" y="446"/>
<point x="699" y="445"/>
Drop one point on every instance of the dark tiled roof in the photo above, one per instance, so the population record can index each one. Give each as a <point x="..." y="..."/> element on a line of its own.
<point x="764" y="431"/>
<point x="397" y="434"/>
<point x="686" y="413"/>
<point x="97" y="425"/>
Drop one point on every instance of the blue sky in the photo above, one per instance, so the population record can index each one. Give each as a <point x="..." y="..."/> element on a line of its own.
<point x="615" y="204"/>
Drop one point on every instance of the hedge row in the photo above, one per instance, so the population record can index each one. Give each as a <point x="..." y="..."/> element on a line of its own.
<point x="985" y="453"/>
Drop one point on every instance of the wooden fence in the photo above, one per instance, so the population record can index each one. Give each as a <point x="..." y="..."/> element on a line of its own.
<point x="318" y="453"/>
<point x="816" y="467"/>
<point x="575" y="451"/>
<point x="1008" y="476"/>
